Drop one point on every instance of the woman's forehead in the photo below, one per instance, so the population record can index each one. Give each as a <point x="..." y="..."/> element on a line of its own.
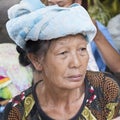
<point x="67" y="39"/>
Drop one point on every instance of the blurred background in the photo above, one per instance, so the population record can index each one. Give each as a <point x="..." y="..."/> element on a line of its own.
<point x="4" y="5"/>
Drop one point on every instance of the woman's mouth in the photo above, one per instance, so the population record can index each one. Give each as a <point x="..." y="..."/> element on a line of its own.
<point x="75" y="78"/>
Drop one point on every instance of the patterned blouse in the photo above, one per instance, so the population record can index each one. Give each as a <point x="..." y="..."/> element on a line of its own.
<point x="101" y="101"/>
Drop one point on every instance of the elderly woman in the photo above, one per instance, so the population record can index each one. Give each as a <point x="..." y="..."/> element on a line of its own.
<point x="57" y="49"/>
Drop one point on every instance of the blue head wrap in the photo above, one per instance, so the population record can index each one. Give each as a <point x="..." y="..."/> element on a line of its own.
<point x="32" y="20"/>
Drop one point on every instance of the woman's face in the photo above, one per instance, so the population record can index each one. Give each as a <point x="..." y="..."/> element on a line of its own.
<point x="65" y="63"/>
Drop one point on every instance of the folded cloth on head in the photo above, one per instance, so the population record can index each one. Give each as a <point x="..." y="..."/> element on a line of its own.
<point x="32" y="20"/>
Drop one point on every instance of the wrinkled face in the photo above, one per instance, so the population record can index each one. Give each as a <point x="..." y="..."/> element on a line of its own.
<point x="61" y="3"/>
<point x="65" y="63"/>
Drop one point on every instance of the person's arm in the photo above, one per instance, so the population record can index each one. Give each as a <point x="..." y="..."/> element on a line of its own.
<point x="109" y="54"/>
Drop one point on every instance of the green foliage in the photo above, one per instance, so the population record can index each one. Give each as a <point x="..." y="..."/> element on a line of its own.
<point x="113" y="6"/>
<point x="103" y="11"/>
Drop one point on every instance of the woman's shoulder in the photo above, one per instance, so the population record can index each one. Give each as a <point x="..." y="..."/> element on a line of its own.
<point x="100" y="77"/>
<point x="19" y="106"/>
<point x="105" y="82"/>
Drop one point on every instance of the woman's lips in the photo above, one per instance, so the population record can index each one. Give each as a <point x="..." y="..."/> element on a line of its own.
<point x="75" y="78"/>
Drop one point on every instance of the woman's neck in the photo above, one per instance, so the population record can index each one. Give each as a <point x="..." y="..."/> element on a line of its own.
<point x="58" y="96"/>
<point x="57" y="103"/>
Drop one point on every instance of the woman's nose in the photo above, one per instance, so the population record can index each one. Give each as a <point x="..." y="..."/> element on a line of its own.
<point x="75" y="61"/>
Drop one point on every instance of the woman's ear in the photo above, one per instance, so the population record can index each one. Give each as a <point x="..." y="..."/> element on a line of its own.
<point x="35" y="60"/>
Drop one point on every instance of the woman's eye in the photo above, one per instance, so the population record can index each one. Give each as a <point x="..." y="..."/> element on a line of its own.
<point x="83" y="51"/>
<point x="63" y="53"/>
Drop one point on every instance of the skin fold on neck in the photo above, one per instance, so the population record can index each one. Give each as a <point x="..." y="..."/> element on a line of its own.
<point x="63" y="105"/>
